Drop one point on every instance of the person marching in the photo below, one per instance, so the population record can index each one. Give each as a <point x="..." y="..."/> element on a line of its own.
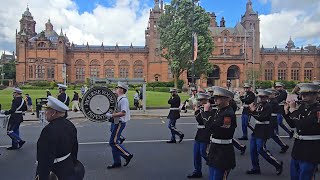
<point x="63" y="97"/>
<point x="202" y="138"/>
<point x="221" y="124"/>
<point x="306" y="119"/>
<point x="75" y="102"/>
<point x="18" y="106"/>
<point x="193" y="98"/>
<point x="57" y="146"/>
<point x="261" y="132"/>
<point x="174" y="115"/>
<point x="120" y="118"/>
<point x="247" y="98"/>
<point x="276" y="108"/>
<point x="281" y="100"/>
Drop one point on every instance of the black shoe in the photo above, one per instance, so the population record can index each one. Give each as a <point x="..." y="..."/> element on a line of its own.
<point x="32" y="114"/>
<point x="128" y="160"/>
<point x="21" y="143"/>
<point x="181" y="138"/>
<point x="171" y="141"/>
<point x="291" y="134"/>
<point x="243" y="150"/>
<point x="279" y="169"/>
<point x="121" y="140"/>
<point x="284" y="149"/>
<point x="195" y="175"/>
<point x="243" y="138"/>
<point x="254" y="171"/>
<point x="12" y="148"/>
<point x="114" y="166"/>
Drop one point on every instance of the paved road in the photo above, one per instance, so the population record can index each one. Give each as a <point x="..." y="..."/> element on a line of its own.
<point x="153" y="158"/>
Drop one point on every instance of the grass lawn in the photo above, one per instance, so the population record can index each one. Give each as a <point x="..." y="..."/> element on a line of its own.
<point x="154" y="99"/>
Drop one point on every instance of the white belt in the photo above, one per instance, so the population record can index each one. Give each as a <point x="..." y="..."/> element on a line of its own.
<point x="273" y="114"/>
<point x="215" y="108"/>
<point x="265" y="122"/>
<point x="200" y="126"/>
<point x="281" y="104"/>
<point x="245" y="105"/>
<point x="221" y="141"/>
<point x="174" y="108"/>
<point x="61" y="158"/>
<point x="307" y="138"/>
<point x="18" y="112"/>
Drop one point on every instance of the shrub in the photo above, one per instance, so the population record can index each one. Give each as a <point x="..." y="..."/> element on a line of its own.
<point x="162" y="89"/>
<point x="53" y="84"/>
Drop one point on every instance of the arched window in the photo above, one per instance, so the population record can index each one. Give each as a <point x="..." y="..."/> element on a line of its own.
<point x="268" y="71"/>
<point x="80" y="70"/>
<point x="295" y="71"/>
<point x="40" y="71"/>
<point x="124" y="69"/>
<point x="109" y="69"/>
<point x="138" y="69"/>
<point x="282" y="71"/>
<point x="156" y="77"/>
<point x="31" y="71"/>
<point x="308" y="66"/>
<point x="94" y="68"/>
<point x="50" y="72"/>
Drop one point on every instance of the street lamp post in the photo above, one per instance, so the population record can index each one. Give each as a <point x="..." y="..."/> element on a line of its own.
<point x="193" y="55"/>
<point x="2" y="74"/>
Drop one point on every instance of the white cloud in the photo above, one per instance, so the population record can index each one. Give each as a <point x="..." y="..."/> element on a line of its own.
<point x="296" y="18"/>
<point x="124" y="22"/>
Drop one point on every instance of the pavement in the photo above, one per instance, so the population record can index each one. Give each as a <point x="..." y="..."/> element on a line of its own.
<point x="145" y="138"/>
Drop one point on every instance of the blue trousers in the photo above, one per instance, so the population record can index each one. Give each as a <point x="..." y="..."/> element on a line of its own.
<point x="302" y="170"/>
<point x="276" y="138"/>
<point x="245" y="121"/>
<point x="13" y="133"/>
<point x="199" y="152"/>
<point x="280" y="123"/>
<point x="237" y="145"/>
<point x="256" y="148"/>
<point x="173" y="130"/>
<point x="118" y="150"/>
<point x="218" y="174"/>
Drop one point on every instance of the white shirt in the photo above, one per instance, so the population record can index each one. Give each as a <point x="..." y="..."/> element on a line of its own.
<point x="123" y="106"/>
<point x="136" y="96"/>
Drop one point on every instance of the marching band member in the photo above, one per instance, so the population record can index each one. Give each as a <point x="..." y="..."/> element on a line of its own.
<point x="57" y="146"/>
<point x="276" y="108"/>
<point x="18" y="106"/>
<point x="281" y="100"/>
<point x="261" y="132"/>
<point x="221" y="125"/>
<point x="306" y="119"/>
<point x="247" y="98"/>
<point x="63" y="97"/>
<point x="202" y="138"/>
<point x="120" y="118"/>
<point x="173" y="115"/>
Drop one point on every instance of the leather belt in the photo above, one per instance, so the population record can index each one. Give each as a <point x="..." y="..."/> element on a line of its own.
<point x="201" y="126"/>
<point x="264" y="122"/>
<point x="273" y="114"/>
<point x="306" y="137"/>
<point x="174" y="108"/>
<point x="57" y="160"/>
<point x="221" y="141"/>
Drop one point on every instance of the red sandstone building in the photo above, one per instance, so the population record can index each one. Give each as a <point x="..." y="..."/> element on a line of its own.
<point x="237" y="55"/>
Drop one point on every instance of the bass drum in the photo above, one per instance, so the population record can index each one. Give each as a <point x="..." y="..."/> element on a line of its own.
<point x="98" y="101"/>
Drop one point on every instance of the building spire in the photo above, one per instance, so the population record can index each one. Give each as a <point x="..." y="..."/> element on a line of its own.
<point x="249" y="8"/>
<point x="156" y="6"/>
<point x="61" y="33"/>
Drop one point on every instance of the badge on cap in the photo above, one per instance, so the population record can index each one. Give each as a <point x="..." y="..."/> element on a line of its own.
<point x="226" y="122"/>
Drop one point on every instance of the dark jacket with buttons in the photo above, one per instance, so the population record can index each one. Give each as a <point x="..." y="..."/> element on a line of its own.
<point x="16" y="118"/>
<point x="174" y="102"/>
<point x="246" y="100"/>
<point x="221" y="124"/>
<point x="202" y="135"/>
<point x="262" y="114"/>
<point x="307" y="122"/>
<point x="276" y="109"/>
<point x="282" y="96"/>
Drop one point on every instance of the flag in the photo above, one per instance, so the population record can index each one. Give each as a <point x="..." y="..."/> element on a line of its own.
<point x="195" y="46"/>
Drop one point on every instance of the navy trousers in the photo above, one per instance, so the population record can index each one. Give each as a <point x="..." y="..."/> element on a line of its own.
<point x="237" y="145"/>
<point x="245" y="121"/>
<point x="302" y="170"/>
<point x="13" y="133"/>
<point x="280" y="123"/>
<point x="218" y="174"/>
<point x="173" y="130"/>
<point x="199" y="152"/>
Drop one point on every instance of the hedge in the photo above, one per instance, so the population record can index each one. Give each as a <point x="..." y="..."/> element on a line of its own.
<point x="268" y="84"/>
<point x="165" y="84"/>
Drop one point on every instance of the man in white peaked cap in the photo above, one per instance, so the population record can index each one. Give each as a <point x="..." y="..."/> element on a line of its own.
<point x="63" y="97"/>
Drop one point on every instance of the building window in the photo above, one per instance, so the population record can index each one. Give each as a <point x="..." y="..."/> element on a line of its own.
<point x="124" y="69"/>
<point x="308" y="74"/>
<point x="31" y="71"/>
<point x="241" y="51"/>
<point x="295" y="74"/>
<point x="221" y="51"/>
<point x="40" y="71"/>
<point x="156" y="78"/>
<point x="138" y="69"/>
<point x="50" y="72"/>
<point x="110" y="72"/>
<point x="282" y="71"/>
<point x="170" y="75"/>
<point x="80" y="73"/>
<point x="227" y="51"/>
<point x="94" y="71"/>
<point x="268" y="74"/>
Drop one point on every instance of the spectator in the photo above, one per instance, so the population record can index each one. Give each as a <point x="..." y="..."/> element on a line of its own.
<point x="29" y="103"/>
<point x="136" y="99"/>
<point x="75" y="102"/>
<point x="48" y="93"/>
<point x="82" y="90"/>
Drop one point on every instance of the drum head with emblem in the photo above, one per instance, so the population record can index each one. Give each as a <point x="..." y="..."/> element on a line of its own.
<point x="98" y="101"/>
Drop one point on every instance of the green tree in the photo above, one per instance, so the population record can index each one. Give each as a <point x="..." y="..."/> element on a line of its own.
<point x="175" y="27"/>
<point x="10" y="70"/>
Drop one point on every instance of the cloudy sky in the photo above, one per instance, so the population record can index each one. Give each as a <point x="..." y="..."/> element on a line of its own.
<point x="124" y="21"/>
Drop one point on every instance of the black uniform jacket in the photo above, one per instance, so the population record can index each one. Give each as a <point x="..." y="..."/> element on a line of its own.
<point x="16" y="118"/>
<point x="282" y="96"/>
<point x="234" y="105"/>
<point x="64" y="98"/>
<point x="57" y="139"/>
<point x="276" y="109"/>
<point x="307" y="122"/>
<point x="262" y="114"/>
<point x="202" y="135"/>
<point x="221" y="124"/>
<point x="247" y="99"/>
<point x="174" y="102"/>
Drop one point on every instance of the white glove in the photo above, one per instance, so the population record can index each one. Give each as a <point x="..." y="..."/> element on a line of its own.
<point x="2" y="111"/>
<point x="109" y="115"/>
